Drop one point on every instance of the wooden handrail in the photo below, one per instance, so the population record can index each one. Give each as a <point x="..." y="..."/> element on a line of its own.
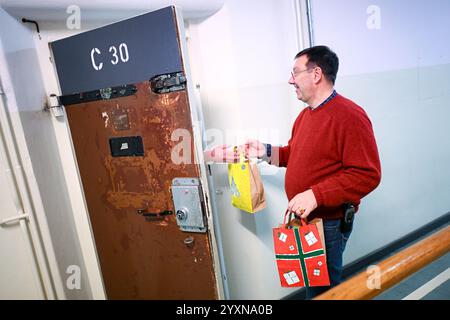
<point x="393" y="269"/>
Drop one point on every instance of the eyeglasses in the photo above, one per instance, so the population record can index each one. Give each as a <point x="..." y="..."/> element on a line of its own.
<point x="295" y="74"/>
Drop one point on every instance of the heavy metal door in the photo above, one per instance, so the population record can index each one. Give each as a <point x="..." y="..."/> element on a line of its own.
<point x="124" y="92"/>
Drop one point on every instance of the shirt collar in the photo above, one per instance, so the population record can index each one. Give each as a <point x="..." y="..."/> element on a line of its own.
<point x="332" y="95"/>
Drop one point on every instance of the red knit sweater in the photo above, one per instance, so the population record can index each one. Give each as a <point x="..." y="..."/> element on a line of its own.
<point x="333" y="152"/>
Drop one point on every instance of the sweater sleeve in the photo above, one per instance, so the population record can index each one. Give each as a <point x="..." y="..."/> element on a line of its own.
<point x="360" y="161"/>
<point x="280" y="155"/>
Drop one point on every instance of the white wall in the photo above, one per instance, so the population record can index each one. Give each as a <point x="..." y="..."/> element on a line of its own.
<point x="383" y="35"/>
<point x="399" y="72"/>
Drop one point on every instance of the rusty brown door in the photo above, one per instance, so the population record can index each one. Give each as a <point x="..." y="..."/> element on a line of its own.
<point x="122" y="136"/>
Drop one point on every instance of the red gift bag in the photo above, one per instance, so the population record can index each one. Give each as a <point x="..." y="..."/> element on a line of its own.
<point x="300" y="255"/>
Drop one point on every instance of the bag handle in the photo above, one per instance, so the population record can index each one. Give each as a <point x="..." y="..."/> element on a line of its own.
<point x="303" y="222"/>
<point x="242" y="158"/>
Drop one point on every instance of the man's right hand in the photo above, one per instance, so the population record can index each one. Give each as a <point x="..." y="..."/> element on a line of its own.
<point x="253" y="149"/>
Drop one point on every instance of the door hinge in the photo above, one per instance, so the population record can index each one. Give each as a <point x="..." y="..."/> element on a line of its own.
<point x="170" y="82"/>
<point x="96" y="95"/>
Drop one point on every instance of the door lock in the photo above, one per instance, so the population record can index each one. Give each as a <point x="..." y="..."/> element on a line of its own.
<point x="182" y="214"/>
<point x="189" y="204"/>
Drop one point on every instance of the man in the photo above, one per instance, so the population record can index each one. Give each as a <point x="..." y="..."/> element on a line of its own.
<point x="332" y="158"/>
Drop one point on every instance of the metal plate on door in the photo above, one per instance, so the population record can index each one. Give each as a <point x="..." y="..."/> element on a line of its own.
<point x="126" y="146"/>
<point x="188" y="203"/>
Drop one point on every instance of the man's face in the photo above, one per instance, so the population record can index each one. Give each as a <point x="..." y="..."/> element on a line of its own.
<point x="302" y="78"/>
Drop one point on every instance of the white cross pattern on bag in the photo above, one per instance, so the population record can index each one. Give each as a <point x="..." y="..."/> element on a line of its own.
<point x="316" y="272"/>
<point x="291" y="278"/>
<point x="282" y="237"/>
<point x="310" y="238"/>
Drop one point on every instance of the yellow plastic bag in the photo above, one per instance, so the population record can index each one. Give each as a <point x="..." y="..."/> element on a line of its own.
<point x="247" y="190"/>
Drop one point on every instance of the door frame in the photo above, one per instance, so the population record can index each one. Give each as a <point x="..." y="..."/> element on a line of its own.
<point x="304" y="23"/>
<point x="24" y="190"/>
<point x="197" y="129"/>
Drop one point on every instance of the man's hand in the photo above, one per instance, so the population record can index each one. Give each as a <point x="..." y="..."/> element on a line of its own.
<point x="303" y="203"/>
<point x="253" y="149"/>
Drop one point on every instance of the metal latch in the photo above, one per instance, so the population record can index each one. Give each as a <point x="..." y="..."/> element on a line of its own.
<point x="170" y="82"/>
<point x="151" y="216"/>
<point x="188" y="203"/>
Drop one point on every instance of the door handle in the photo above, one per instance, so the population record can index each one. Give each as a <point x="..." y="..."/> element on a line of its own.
<point x="14" y="219"/>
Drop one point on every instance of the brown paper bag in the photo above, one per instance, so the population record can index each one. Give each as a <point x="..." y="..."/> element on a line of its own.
<point x="246" y="187"/>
